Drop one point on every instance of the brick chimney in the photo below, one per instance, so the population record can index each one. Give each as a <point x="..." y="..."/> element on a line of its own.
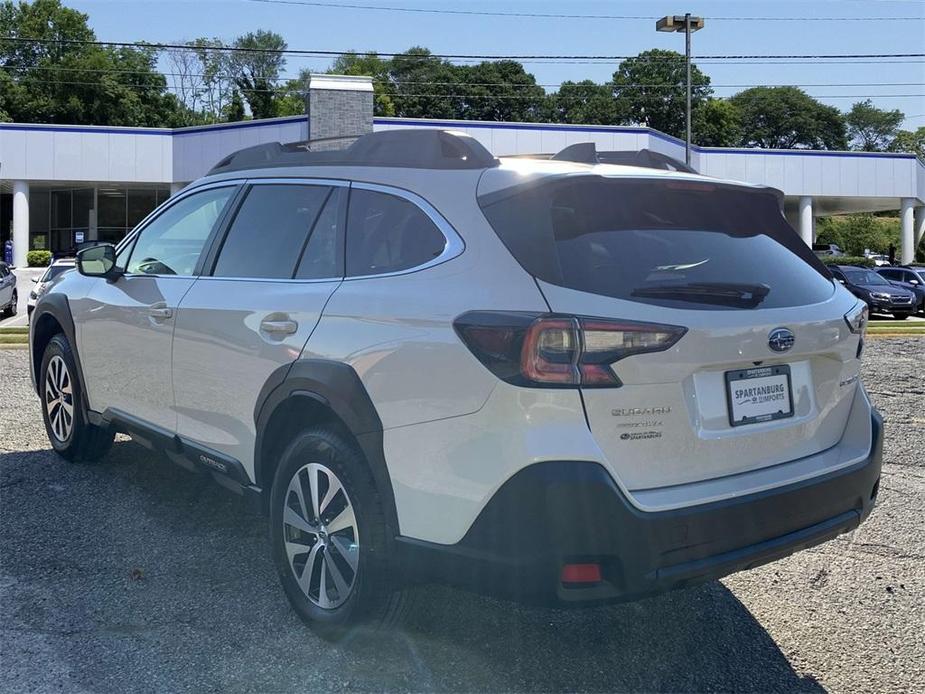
<point x="339" y="106"/>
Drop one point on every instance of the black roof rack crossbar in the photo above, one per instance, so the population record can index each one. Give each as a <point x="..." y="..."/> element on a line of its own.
<point x="586" y="153"/>
<point x="406" y="148"/>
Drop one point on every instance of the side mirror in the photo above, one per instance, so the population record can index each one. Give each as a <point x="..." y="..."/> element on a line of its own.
<point x="98" y="261"/>
<point x="842" y="281"/>
<point x="914" y="282"/>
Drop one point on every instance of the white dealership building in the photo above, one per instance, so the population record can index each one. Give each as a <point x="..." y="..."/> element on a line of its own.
<point x="63" y="184"/>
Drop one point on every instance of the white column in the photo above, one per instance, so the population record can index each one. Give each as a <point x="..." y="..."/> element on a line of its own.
<point x="906" y="231"/>
<point x="20" y="222"/>
<point x="806" y="220"/>
<point x="175" y="188"/>
<point x="919" y="225"/>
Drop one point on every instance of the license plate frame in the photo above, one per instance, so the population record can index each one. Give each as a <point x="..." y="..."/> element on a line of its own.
<point x="754" y="373"/>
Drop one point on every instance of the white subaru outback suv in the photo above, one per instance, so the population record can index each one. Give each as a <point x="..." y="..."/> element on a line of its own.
<point x="557" y="381"/>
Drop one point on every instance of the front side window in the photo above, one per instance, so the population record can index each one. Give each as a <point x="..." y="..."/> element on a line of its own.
<point x="670" y="243"/>
<point x="270" y="231"/>
<point x="172" y="243"/>
<point x="386" y="233"/>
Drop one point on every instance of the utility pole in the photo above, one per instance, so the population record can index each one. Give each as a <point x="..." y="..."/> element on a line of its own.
<point x="688" y="25"/>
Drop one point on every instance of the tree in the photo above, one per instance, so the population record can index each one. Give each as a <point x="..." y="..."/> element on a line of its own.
<point x="717" y="123"/>
<point x="425" y="86"/>
<point x="872" y="129"/>
<point x="788" y="118"/>
<point x="499" y="91"/>
<point x="234" y="109"/>
<point x="71" y="81"/>
<point x="369" y="64"/>
<point x="582" y="102"/>
<point x="256" y="67"/>
<point x="856" y="233"/>
<point x="909" y="141"/>
<point x="651" y="90"/>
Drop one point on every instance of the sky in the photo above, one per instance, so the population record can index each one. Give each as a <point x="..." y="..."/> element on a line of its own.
<point x="848" y="26"/>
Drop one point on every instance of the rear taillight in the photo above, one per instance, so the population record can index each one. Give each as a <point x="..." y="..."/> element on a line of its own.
<point x="552" y="350"/>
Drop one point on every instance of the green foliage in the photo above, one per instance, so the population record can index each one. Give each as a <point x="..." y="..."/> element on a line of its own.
<point x="582" y="102"/>
<point x="257" y="69"/>
<point x="234" y="111"/>
<point x="788" y="118"/>
<point x="651" y="90"/>
<point x="499" y="91"/>
<point x="371" y="65"/>
<point x="860" y="261"/>
<point x="73" y="82"/>
<point x="909" y="141"/>
<point x="716" y="123"/>
<point x="872" y="129"/>
<point x="38" y="258"/>
<point x="856" y="233"/>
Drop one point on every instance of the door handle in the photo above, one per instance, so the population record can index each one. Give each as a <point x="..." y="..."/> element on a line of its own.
<point x="279" y="327"/>
<point x="159" y="312"/>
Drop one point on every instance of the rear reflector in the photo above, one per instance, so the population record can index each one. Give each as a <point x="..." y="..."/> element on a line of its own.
<point x="581" y="573"/>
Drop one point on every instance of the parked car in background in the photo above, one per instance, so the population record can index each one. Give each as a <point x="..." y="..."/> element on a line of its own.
<point x="827" y="249"/>
<point x="8" y="294"/>
<point x="880" y="295"/>
<point x="557" y="381"/>
<point x="43" y="282"/>
<point x="909" y="278"/>
<point x="879" y="259"/>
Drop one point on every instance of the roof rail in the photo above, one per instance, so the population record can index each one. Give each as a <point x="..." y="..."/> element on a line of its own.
<point x="586" y="153"/>
<point x="406" y="148"/>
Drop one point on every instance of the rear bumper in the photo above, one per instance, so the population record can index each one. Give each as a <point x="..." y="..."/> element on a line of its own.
<point x="554" y="513"/>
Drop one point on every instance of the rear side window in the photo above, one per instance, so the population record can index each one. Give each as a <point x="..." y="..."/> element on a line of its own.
<point x="386" y="233"/>
<point x="270" y="230"/>
<point x="670" y="243"/>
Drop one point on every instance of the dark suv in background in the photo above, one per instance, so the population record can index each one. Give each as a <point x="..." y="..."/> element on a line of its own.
<point x="910" y="278"/>
<point x="880" y="295"/>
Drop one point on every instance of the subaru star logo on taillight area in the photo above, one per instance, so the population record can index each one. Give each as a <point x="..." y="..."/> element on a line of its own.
<point x="780" y="339"/>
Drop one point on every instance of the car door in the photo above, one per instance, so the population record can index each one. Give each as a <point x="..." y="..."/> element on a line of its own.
<point x="125" y="327"/>
<point x="7" y="282"/>
<point x="252" y="312"/>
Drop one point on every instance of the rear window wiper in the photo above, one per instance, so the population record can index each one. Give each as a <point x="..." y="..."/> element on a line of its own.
<point x="718" y="293"/>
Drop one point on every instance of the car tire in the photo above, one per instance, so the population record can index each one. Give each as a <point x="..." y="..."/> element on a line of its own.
<point x="901" y="316"/>
<point x="72" y="437"/>
<point x="336" y="567"/>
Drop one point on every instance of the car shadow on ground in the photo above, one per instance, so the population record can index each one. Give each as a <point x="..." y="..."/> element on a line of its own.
<point x="132" y="568"/>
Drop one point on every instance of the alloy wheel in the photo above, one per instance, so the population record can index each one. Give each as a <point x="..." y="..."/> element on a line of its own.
<point x="59" y="399"/>
<point x="320" y="536"/>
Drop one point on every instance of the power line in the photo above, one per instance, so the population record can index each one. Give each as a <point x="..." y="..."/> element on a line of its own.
<point x="449" y="56"/>
<point x="545" y="15"/>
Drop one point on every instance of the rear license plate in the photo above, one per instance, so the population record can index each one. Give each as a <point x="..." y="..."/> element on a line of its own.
<point x="757" y="395"/>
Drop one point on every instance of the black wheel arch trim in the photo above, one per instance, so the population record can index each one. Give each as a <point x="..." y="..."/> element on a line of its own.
<point x="336" y="386"/>
<point x="57" y="306"/>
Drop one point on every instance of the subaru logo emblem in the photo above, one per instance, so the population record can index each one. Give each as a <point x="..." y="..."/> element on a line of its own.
<point x="780" y="339"/>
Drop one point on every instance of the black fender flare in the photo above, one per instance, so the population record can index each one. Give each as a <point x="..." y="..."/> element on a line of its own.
<point x="338" y="387"/>
<point x="55" y="305"/>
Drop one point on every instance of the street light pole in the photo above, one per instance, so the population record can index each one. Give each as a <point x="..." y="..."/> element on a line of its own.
<point x="688" y="25"/>
<point x="687" y="60"/>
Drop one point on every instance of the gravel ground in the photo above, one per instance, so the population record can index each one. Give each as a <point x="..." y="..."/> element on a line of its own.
<point x="133" y="575"/>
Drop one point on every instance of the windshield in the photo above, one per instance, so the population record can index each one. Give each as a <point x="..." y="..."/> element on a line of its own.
<point x="672" y="243"/>
<point x="864" y="277"/>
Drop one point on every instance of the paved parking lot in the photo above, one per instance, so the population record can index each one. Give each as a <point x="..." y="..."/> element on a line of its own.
<point x="133" y="575"/>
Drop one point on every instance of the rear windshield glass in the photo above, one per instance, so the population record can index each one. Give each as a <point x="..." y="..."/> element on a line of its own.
<point x="671" y="243"/>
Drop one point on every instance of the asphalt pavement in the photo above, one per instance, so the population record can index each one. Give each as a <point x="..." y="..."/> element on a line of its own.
<point x="134" y="575"/>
